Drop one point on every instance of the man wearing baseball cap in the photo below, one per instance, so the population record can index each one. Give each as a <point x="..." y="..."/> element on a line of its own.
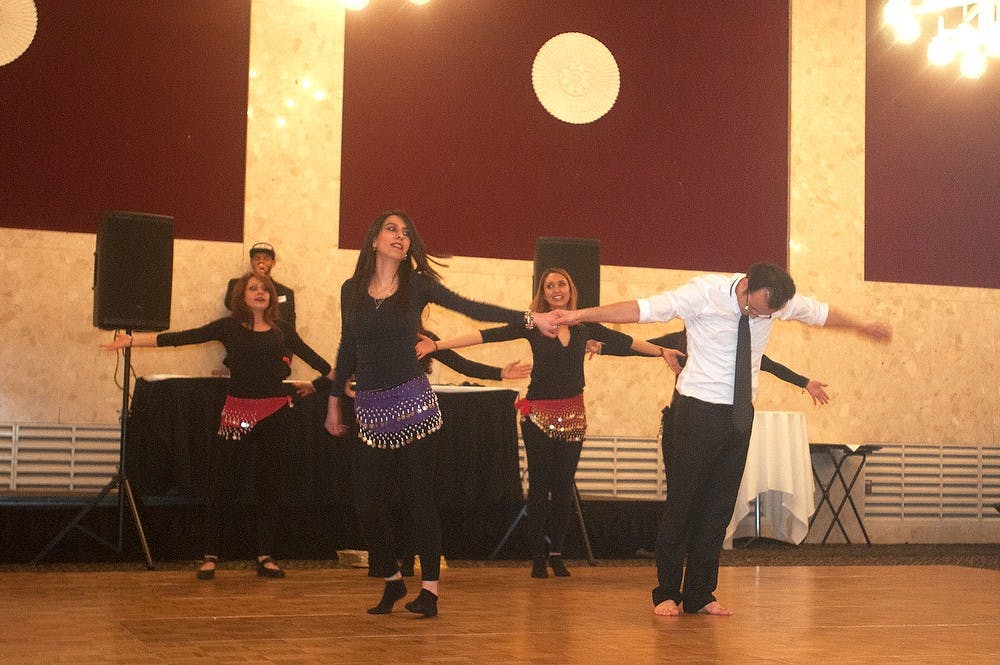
<point x="262" y="259"/>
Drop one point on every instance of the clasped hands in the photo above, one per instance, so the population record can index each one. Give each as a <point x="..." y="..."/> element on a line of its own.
<point x="548" y="322"/>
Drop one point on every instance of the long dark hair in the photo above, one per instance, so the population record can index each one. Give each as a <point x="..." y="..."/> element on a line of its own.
<point x="418" y="260"/>
<point x="238" y="301"/>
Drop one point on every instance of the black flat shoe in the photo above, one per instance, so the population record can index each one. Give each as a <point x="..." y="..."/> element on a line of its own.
<point x="426" y="603"/>
<point x="208" y="573"/>
<point x="538" y="567"/>
<point x="264" y="571"/>
<point x="394" y="590"/>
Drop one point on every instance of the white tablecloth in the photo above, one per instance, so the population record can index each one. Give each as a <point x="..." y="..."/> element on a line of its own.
<point x="780" y="471"/>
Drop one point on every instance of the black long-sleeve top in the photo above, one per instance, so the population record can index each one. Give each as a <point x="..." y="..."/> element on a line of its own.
<point x="376" y="343"/>
<point x="258" y="361"/>
<point x="557" y="370"/>
<point x="678" y="341"/>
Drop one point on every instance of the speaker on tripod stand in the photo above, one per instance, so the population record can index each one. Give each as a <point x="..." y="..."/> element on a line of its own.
<point x="133" y="273"/>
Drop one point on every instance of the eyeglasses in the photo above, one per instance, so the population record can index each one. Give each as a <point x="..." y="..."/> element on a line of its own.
<point x="752" y="311"/>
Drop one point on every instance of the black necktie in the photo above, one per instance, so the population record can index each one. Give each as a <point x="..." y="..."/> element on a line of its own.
<point x="742" y="400"/>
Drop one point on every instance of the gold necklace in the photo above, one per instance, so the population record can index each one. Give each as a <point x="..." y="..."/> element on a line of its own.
<point x="386" y="292"/>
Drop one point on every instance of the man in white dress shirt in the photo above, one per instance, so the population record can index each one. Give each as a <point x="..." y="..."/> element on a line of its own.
<point x="710" y="450"/>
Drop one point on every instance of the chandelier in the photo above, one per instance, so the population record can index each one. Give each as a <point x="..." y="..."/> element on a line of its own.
<point x="966" y="31"/>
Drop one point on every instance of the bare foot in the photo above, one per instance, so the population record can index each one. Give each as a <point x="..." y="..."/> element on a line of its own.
<point x="715" y="609"/>
<point x="667" y="608"/>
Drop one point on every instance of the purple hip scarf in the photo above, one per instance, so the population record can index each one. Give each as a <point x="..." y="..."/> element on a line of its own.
<point x="393" y="417"/>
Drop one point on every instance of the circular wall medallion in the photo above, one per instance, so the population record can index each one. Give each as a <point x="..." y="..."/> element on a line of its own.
<point x="18" y="22"/>
<point x="575" y="77"/>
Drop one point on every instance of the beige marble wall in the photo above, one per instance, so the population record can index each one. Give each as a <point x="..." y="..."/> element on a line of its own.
<point x="934" y="383"/>
<point x="296" y="99"/>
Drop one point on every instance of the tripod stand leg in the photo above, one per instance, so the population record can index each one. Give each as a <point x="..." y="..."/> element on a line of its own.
<point x="579" y="516"/>
<point x="75" y="522"/>
<point x="510" y="530"/>
<point x="119" y="481"/>
<point x="127" y="487"/>
<point x="583" y="525"/>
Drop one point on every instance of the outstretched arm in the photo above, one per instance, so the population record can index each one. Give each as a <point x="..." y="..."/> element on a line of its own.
<point x="478" y="370"/>
<point x="880" y="331"/>
<point x="672" y="340"/>
<point x="767" y="364"/>
<point x="626" y="311"/>
<point x="812" y="386"/>
<point x="124" y="339"/>
<point x="426" y="345"/>
<point x="670" y="356"/>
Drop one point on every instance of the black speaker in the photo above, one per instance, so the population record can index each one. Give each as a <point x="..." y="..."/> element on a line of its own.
<point x="580" y="257"/>
<point x="133" y="271"/>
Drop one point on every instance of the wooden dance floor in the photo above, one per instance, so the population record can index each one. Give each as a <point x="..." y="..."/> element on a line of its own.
<point x="814" y="615"/>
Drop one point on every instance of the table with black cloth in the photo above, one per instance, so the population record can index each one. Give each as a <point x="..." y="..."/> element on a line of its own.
<point x="169" y="454"/>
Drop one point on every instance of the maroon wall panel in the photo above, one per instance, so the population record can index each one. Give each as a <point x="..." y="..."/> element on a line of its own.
<point x="128" y="105"/>
<point x="688" y="170"/>
<point x="932" y="167"/>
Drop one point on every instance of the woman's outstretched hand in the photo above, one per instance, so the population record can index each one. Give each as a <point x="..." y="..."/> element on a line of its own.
<point x="516" y="370"/>
<point x="121" y="341"/>
<point x="816" y="391"/>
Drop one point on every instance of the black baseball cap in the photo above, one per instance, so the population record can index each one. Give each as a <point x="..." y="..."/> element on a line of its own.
<point x="262" y="247"/>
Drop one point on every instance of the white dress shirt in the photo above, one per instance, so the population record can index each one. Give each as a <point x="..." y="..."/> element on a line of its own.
<point x="711" y="315"/>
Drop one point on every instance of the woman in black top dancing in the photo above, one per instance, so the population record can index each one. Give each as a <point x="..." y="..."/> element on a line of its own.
<point x="399" y="520"/>
<point x="254" y="420"/>
<point x="554" y="420"/>
<point x="396" y="410"/>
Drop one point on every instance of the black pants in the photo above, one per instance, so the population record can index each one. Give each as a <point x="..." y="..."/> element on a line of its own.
<point x="667" y="437"/>
<point x="551" y="469"/>
<point x="244" y="477"/>
<point x="706" y="467"/>
<point x="375" y="474"/>
<point x="667" y="441"/>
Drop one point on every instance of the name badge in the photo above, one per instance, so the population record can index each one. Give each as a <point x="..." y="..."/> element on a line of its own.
<point x="282" y="298"/>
